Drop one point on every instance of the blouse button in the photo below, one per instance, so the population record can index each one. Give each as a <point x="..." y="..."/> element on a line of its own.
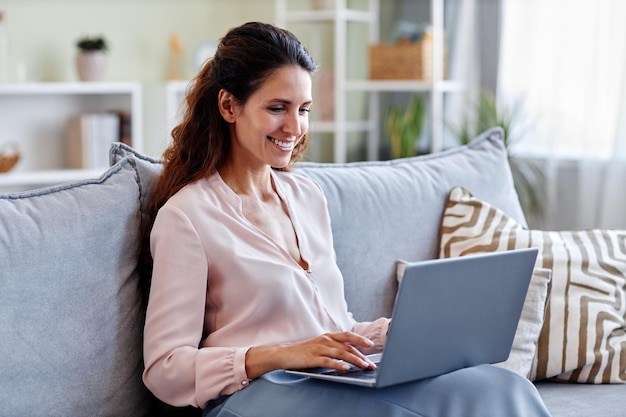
<point x="245" y="382"/>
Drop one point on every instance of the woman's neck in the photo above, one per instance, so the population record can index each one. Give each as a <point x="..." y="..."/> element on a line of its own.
<point x="248" y="182"/>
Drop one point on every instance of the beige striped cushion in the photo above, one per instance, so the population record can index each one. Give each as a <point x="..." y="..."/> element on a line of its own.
<point x="583" y="338"/>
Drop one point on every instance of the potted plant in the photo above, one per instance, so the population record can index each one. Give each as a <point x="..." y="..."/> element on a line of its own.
<point x="91" y="58"/>
<point x="404" y="127"/>
<point x="527" y="176"/>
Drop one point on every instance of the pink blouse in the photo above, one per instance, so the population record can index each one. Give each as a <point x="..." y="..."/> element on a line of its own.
<point x="220" y="286"/>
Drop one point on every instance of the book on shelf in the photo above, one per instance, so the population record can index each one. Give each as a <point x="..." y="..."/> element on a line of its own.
<point x="125" y="128"/>
<point x="90" y="135"/>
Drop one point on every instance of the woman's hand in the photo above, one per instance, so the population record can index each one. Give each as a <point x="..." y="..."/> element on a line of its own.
<point x="322" y="351"/>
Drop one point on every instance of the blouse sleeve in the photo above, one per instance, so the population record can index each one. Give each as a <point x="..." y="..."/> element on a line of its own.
<point x="177" y="371"/>
<point x="376" y="331"/>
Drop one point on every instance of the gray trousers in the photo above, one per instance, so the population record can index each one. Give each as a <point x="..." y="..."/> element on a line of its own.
<point x="481" y="391"/>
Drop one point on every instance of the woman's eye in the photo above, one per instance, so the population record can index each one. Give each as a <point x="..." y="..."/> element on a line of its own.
<point x="276" y="109"/>
<point x="304" y="111"/>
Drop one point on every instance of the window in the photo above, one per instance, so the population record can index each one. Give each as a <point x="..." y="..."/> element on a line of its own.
<point x="564" y="63"/>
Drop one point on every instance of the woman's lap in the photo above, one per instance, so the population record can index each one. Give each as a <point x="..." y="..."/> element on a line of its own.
<point x="479" y="391"/>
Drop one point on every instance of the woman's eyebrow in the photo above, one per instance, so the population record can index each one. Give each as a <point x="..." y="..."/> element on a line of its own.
<point x="287" y="102"/>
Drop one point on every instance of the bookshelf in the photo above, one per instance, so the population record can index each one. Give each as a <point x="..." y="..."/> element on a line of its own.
<point x="342" y="16"/>
<point x="34" y="117"/>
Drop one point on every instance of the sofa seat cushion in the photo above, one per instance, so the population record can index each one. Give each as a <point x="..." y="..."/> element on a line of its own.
<point x="583" y="338"/>
<point x="582" y="400"/>
<point x="71" y="316"/>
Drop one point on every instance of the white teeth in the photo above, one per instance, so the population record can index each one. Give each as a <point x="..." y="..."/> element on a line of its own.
<point x="286" y="146"/>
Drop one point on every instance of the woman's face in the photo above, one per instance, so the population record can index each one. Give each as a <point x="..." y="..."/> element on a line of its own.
<point x="265" y="130"/>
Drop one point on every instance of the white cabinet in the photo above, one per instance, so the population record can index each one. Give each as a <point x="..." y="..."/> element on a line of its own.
<point x="34" y="117"/>
<point x="341" y="16"/>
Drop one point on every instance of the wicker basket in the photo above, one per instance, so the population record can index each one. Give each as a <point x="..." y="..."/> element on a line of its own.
<point x="402" y="61"/>
<point x="8" y="158"/>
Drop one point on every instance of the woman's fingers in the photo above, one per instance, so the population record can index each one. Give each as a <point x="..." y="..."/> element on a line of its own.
<point x="331" y="350"/>
<point x="338" y="350"/>
<point x="351" y="355"/>
<point x="352" y="339"/>
<point x="351" y="342"/>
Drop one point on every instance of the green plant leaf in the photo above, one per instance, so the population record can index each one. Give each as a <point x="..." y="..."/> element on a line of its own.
<point x="528" y="178"/>
<point x="404" y="127"/>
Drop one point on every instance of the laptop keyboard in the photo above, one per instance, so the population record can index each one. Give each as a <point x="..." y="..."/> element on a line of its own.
<point x="354" y="372"/>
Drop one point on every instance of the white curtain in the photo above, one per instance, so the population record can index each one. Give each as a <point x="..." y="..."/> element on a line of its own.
<point x="464" y="63"/>
<point x="564" y="62"/>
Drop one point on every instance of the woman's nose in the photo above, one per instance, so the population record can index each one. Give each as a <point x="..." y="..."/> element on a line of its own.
<point x="294" y="124"/>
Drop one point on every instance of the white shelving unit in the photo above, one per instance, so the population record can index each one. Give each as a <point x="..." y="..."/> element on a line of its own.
<point x="34" y="117"/>
<point x="175" y="92"/>
<point x="162" y="105"/>
<point x="340" y="16"/>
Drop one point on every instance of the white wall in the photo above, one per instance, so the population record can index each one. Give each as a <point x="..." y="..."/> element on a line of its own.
<point x="43" y="33"/>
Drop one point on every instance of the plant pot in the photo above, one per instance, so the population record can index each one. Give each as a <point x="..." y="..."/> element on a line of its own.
<point x="91" y="65"/>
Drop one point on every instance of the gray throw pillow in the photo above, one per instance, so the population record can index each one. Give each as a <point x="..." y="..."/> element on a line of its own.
<point x="148" y="169"/>
<point x="71" y="317"/>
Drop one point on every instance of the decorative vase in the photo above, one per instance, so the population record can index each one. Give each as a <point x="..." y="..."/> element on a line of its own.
<point x="90" y="65"/>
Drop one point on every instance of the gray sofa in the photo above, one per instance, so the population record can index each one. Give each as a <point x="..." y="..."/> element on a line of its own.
<point x="71" y="313"/>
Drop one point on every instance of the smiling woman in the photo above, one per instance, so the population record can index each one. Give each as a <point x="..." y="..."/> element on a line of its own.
<point x="244" y="279"/>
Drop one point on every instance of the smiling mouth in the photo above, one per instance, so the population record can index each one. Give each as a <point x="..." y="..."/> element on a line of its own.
<point x="284" y="146"/>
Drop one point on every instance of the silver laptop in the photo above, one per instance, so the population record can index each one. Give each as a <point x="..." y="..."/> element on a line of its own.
<point x="449" y="314"/>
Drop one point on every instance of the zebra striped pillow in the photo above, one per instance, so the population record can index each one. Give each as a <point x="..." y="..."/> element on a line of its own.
<point x="583" y="338"/>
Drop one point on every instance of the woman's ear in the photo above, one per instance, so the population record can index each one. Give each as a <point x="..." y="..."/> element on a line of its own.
<point x="227" y="105"/>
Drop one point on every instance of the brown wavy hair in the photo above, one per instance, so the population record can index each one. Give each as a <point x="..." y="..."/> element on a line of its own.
<point x="246" y="56"/>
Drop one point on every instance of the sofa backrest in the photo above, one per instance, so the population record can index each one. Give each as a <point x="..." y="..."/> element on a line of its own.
<point x="382" y="211"/>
